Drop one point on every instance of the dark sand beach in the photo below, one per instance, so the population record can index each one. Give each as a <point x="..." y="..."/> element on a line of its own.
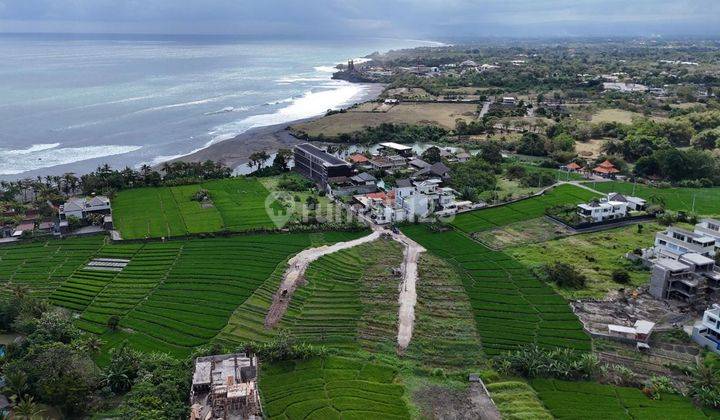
<point x="236" y="151"/>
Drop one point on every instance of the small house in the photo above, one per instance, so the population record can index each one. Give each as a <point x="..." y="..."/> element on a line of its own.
<point x="80" y="207"/>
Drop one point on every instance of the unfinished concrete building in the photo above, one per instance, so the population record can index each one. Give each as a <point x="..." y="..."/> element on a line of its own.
<point x="225" y="387"/>
<point x="688" y="278"/>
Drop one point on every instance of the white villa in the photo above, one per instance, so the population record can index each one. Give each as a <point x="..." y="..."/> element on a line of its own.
<point x="80" y="207"/>
<point x="614" y="206"/>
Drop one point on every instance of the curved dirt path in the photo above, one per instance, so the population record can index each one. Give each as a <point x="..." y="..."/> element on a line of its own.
<point x="295" y="274"/>
<point x="297" y="265"/>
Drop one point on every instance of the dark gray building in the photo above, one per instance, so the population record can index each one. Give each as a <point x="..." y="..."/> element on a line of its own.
<point x="318" y="165"/>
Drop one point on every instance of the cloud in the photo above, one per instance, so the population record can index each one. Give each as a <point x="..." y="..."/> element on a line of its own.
<point x="370" y="17"/>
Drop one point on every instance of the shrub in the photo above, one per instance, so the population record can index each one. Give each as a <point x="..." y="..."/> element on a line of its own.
<point x="621" y="276"/>
<point x="535" y="362"/>
<point x="565" y="275"/>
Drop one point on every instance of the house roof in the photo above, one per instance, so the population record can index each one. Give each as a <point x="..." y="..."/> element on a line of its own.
<point x="606" y="164"/>
<point x="327" y="158"/>
<point x="74" y="204"/>
<point x="363" y="177"/>
<point x="604" y="170"/>
<point x="395" y="146"/>
<point x="358" y="158"/>
<point x="419" y="163"/>
<point x="644" y="327"/>
<point x="439" y="168"/>
<point x="403" y="183"/>
<point x="573" y="165"/>
<point x="697" y="259"/>
<point x="617" y="197"/>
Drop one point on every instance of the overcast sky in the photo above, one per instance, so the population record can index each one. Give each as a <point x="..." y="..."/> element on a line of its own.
<point x="440" y="19"/>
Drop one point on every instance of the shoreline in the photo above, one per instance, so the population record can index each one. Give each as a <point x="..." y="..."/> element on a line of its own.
<point x="236" y="151"/>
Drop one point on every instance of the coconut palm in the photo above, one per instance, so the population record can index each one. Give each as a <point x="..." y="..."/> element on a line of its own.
<point x="28" y="409"/>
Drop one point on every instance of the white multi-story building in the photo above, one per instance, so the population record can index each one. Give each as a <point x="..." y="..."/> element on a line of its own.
<point x="677" y="241"/>
<point x="707" y="331"/>
<point x="602" y="210"/>
<point x="711" y="228"/>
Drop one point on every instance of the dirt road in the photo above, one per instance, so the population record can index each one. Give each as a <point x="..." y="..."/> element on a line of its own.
<point x="295" y="274"/>
<point x="408" y="295"/>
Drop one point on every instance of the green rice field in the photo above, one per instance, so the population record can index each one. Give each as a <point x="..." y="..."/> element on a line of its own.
<point x="176" y="295"/>
<point x="238" y="204"/>
<point x="331" y="388"/>
<point x="587" y="400"/>
<point x="511" y="307"/>
<point x="707" y="200"/>
<point x="530" y="208"/>
<point x="336" y="305"/>
<point x="42" y="266"/>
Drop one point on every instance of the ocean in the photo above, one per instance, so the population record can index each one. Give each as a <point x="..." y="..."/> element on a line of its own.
<point x="69" y="103"/>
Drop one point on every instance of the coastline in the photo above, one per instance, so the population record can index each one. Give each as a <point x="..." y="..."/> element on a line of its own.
<point x="237" y="150"/>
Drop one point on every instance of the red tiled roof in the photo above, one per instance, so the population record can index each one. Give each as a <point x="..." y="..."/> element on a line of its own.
<point x="573" y="166"/>
<point x="607" y="164"/>
<point x="603" y="170"/>
<point x="358" y="158"/>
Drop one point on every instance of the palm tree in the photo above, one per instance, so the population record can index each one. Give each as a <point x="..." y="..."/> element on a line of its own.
<point x="16" y="383"/>
<point x="93" y="345"/>
<point x="28" y="409"/>
<point x="18" y="291"/>
<point x="657" y="199"/>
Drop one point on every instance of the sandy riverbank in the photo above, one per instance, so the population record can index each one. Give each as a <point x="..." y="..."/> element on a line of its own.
<point x="236" y="151"/>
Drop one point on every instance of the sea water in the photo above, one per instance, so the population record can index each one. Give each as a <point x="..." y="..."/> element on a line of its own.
<point x="69" y="103"/>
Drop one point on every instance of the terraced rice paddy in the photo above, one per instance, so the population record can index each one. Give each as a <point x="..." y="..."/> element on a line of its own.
<point x="238" y="204"/>
<point x="707" y="200"/>
<point x="511" y="306"/>
<point x="530" y="208"/>
<point x="247" y="322"/>
<point x="339" y="295"/>
<point x="517" y="400"/>
<point x="43" y="266"/>
<point x="331" y="388"/>
<point x="586" y="400"/>
<point x="444" y="333"/>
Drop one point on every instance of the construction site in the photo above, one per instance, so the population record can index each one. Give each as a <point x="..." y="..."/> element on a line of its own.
<point x="225" y="387"/>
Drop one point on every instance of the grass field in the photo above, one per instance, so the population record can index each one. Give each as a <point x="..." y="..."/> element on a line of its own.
<point x="331" y="388"/>
<point x="530" y="208"/>
<point x="238" y="204"/>
<point x="596" y="255"/>
<point x="42" y="266"/>
<point x="521" y="233"/>
<point x="587" y="400"/>
<point x="440" y="114"/>
<point x="511" y="307"/>
<point x="614" y="115"/>
<point x="707" y="200"/>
